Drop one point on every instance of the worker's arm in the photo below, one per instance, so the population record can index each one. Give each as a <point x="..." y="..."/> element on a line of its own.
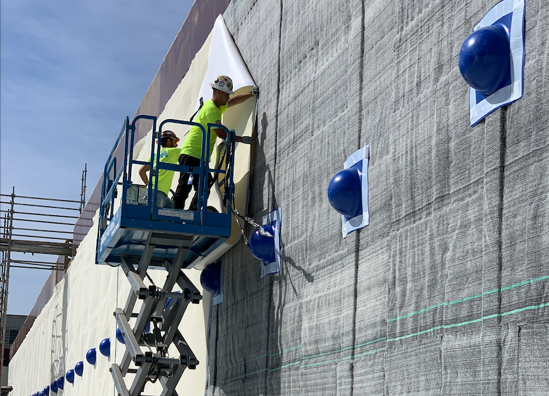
<point x="238" y="99"/>
<point x="220" y="132"/>
<point x="223" y="135"/>
<point x="143" y="173"/>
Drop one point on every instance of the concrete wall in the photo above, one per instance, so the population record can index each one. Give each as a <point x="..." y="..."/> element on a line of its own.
<point x="446" y="291"/>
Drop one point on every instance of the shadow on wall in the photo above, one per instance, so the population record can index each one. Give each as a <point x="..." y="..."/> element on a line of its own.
<point x="58" y="342"/>
<point x="253" y="359"/>
<point x="246" y="356"/>
<point x="268" y="182"/>
<point x="264" y="174"/>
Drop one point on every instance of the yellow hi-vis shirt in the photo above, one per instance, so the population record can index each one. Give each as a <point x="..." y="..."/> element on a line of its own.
<point x="165" y="177"/>
<point x="208" y="114"/>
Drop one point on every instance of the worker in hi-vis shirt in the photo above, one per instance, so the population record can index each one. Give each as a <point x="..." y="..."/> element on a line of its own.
<point x="210" y="113"/>
<point x="170" y="154"/>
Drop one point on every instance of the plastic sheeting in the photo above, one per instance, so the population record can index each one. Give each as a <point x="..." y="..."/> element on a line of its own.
<point x="79" y="316"/>
<point x="224" y="59"/>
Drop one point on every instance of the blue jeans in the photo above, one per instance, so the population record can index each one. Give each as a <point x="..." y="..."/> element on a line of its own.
<point x="162" y="200"/>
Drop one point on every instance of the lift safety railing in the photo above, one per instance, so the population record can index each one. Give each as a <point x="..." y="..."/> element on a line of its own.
<point x="109" y="185"/>
<point x="203" y="191"/>
<point x="118" y="173"/>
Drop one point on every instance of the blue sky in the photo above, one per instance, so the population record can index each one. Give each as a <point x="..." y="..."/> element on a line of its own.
<point x="70" y="72"/>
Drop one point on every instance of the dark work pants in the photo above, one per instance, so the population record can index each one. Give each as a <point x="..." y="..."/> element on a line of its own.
<point x="183" y="186"/>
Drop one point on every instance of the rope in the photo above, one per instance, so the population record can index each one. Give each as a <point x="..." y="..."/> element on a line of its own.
<point x="249" y="220"/>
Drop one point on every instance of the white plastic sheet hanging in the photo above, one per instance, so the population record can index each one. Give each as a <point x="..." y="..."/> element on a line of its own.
<point x="224" y="59"/>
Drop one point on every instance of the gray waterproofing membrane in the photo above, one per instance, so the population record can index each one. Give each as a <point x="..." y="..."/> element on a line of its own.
<point x="446" y="291"/>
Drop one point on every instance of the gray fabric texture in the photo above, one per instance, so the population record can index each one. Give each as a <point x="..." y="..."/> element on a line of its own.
<point x="431" y="297"/>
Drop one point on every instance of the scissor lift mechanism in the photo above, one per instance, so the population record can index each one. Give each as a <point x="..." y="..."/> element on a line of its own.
<point x="140" y="236"/>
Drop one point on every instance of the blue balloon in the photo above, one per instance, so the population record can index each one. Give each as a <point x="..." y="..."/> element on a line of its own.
<point x="105" y="347"/>
<point x="70" y="376"/>
<point x="91" y="357"/>
<point x="485" y="58"/>
<point x="345" y="192"/>
<point x="61" y="382"/>
<point x="263" y="247"/>
<point x="47" y="390"/>
<point x="210" y="278"/>
<point x="119" y="336"/>
<point x="54" y="387"/>
<point x="79" y="368"/>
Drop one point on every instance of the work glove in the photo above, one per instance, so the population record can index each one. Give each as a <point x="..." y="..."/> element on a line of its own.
<point x="255" y="91"/>
<point x="247" y="139"/>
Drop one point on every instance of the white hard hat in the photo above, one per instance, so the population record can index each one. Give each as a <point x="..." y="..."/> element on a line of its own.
<point x="223" y="83"/>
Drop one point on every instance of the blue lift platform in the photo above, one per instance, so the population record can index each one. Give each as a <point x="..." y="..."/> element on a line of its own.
<point x="126" y="231"/>
<point x="137" y="235"/>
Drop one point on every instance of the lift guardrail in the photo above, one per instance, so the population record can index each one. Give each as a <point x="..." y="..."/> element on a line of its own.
<point x="123" y="223"/>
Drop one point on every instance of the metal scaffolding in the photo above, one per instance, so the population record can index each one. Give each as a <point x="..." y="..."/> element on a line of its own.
<point x="54" y="236"/>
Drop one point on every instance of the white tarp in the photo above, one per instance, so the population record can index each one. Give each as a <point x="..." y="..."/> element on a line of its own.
<point x="224" y="59"/>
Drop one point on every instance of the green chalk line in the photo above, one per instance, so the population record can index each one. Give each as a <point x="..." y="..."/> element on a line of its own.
<point x="469" y="298"/>
<point x="470" y="321"/>
<point x="343" y="349"/>
<point x="307" y="357"/>
<point x="398" y="338"/>
<point x="275" y="354"/>
<point x="262" y="370"/>
<point x="345" y="358"/>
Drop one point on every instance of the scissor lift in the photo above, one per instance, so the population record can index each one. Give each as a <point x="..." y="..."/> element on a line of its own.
<point x="137" y="235"/>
